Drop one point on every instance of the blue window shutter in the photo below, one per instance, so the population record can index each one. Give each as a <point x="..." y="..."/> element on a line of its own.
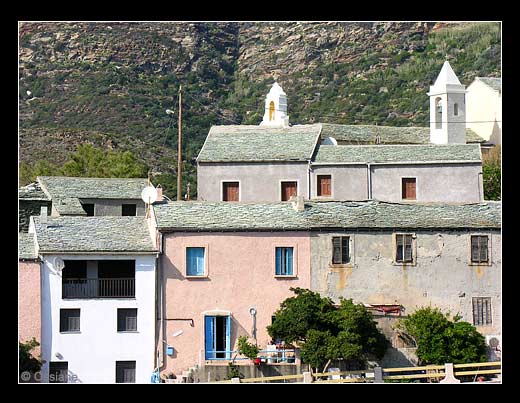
<point x="289" y="266"/>
<point x="200" y="261"/>
<point x="189" y="261"/>
<point x="278" y="261"/>
<point x="195" y="261"/>
<point x="209" y="326"/>
<point x="228" y="337"/>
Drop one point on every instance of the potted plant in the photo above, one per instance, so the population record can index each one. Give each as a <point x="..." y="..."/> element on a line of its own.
<point x="248" y="350"/>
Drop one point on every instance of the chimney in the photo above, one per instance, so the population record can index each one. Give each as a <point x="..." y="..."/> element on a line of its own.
<point x="159" y="193"/>
<point x="298" y="203"/>
<point x="43" y="216"/>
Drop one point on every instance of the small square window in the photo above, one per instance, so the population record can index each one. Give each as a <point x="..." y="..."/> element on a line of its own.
<point x="230" y="191"/>
<point x="479" y="249"/>
<point x="127" y="320"/>
<point x="404" y="248"/>
<point x="482" y="311"/>
<point x="195" y="261"/>
<point x="125" y="371"/>
<point x="340" y="250"/>
<point x="409" y="188"/>
<point x="69" y="320"/>
<point x="284" y="261"/>
<point x="324" y="185"/>
<point x="128" y="209"/>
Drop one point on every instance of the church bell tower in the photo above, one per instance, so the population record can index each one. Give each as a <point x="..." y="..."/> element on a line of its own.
<point x="275" y="108"/>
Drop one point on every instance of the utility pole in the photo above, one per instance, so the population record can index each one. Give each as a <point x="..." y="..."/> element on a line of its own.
<point x="179" y="156"/>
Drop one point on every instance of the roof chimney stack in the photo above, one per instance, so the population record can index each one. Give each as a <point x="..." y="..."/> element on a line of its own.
<point x="159" y="193"/>
<point x="43" y="215"/>
<point x="298" y="203"/>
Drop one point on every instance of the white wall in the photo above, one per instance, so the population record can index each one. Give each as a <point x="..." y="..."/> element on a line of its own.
<point x="484" y="106"/>
<point x="92" y="353"/>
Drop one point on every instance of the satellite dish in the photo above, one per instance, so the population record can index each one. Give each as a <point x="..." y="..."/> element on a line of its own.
<point x="149" y="194"/>
<point x="58" y="264"/>
<point x="494" y="342"/>
<point x="329" y="141"/>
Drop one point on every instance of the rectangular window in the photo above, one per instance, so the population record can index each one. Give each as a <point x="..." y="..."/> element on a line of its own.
<point x="289" y="189"/>
<point x="230" y="191"/>
<point x="482" y="311"/>
<point x="89" y="208"/>
<point x="479" y="249"/>
<point x="195" y="262"/>
<point x="324" y="185"/>
<point x="409" y="188"/>
<point x="125" y="371"/>
<point x="58" y="372"/>
<point x="340" y="250"/>
<point x="128" y="209"/>
<point x="404" y="248"/>
<point x="69" y="320"/>
<point x="127" y="320"/>
<point x="284" y="261"/>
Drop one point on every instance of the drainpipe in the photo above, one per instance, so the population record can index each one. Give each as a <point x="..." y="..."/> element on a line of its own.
<point x="309" y="179"/>
<point x="161" y="305"/>
<point x="479" y="181"/>
<point x="369" y="181"/>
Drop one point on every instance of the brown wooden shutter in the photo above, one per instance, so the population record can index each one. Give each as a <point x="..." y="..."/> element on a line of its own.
<point x="230" y="191"/>
<point x="399" y="251"/>
<point x="409" y="189"/>
<point x="408" y="248"/>
<point x="344" y="249"/>
<point x="336" y="250"/>
<point x="483" y="245"/>
<point x="289" y="189"/>
<point x="324" y="185"/>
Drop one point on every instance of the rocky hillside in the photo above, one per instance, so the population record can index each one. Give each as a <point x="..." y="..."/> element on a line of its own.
<point x="109" y="84"/>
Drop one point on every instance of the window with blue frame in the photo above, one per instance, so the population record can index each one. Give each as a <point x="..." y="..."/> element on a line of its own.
<point x="195" y="261"/>
<point x="284" y="261"/>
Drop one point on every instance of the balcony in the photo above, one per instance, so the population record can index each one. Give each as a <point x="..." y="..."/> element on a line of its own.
<point x="98" y="288"/>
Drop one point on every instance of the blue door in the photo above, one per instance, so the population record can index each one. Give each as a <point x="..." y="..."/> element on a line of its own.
<point x="217" y="337"/>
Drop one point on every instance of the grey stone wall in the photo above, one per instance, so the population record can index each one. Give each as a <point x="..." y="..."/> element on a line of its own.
<point x="113" y="207"/>
<point x="28" y="208"/>
<point x="259" y="182"/>
<point x="441" y="275"/>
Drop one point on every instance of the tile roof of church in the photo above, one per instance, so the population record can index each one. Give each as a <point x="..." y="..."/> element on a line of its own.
<point x="493" y="82"/>
<point x="228" y="216"/>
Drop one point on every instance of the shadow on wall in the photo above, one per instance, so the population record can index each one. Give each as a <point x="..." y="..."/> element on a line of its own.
<point x="495" y="137"/>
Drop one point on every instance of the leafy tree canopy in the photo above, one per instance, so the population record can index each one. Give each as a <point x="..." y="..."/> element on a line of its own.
<point x="441" y="340"/>
<point x="27" y="361"/>
<point x="325" y="332"/>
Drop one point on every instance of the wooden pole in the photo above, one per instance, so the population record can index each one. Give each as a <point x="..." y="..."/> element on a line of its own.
<point x="179" y="156"/>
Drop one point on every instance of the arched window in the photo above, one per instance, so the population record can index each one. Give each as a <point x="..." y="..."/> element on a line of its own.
<point x="455" y="109"/>
<point x="271" y="111"/>
<point x="438" y="113"/>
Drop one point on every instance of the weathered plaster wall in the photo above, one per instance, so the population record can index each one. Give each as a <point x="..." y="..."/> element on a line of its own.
<point x="29" y="302"/>
<point x="259" y="182"/>
<point x="112" y="207"/>
<point x="241" y="275"/>
<point x="347" y="182"/>
<point x="458" y="183"/>
<point x="442" y="275"/>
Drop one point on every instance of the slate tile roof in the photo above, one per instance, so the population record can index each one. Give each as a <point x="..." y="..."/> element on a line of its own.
<point x="366" y="134"/>
<point x="493" y="82"/>
<point x="69" y="206"/>
<point x="225" y="216"/>
<point x="397" y="153"/>
<point x="62" y="187"/>
<point x="71" y="234"/>
<point x="26" y="246"/>
<point x="258" y="143"/>
<point x="32" y="191"/>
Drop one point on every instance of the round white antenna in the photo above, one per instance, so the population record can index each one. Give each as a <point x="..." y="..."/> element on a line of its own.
<point x="149" y="194"/>
<point x="58" y="264"/>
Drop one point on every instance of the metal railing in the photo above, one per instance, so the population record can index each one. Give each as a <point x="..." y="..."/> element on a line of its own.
<point x="98" y="288"/>
<point x="267" y="356"/>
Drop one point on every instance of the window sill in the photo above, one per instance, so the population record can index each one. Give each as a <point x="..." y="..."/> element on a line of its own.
<point x="70" y="332"/>
<point x="292" y="276"/>
<point x="480" y="264"/>
<point x="196" y="277"/>
<point x="412" y="263"/>
<point x="341" y="265"/>
<point x="127" y="331"/>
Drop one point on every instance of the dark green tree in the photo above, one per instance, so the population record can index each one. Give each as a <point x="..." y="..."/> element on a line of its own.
<point x="443" y="340"/>
<point x="324" y="332"/>
<point x="27" y="362"/>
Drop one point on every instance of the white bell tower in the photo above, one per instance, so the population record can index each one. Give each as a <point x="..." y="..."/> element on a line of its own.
<point x="447" y="108"/>
<point x="275" y="108"/>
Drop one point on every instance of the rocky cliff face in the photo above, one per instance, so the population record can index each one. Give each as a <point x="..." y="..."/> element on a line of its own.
<point x="110" y="83"/>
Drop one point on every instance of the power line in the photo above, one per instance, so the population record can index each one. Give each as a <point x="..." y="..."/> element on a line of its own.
<point x="211" y="109"/>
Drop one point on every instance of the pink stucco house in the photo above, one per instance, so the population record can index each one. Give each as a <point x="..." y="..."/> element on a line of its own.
<point x="223" y="282"/>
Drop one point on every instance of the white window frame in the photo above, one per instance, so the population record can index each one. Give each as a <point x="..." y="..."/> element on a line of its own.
<point x="295" y="259"/>
<point x="222" y="181"/>
<point x="206" y="259"/>
<point x="280" y="181"/>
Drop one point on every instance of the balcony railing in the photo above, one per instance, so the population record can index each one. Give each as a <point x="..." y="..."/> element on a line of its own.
<point x="98" y="288"/>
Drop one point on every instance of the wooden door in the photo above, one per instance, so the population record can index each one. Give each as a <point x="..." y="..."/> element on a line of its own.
<point x="230" y="191"/>
<point x="289" y="189"/>
<point x="324" y="185"/>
